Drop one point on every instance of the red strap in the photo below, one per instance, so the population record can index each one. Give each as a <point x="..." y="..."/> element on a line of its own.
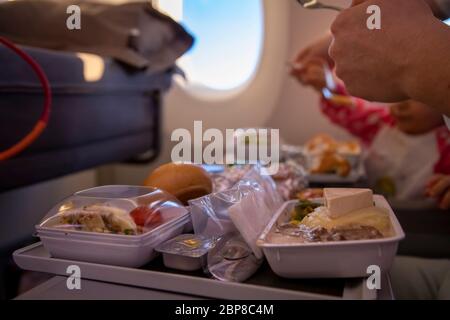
<point x="43" y="120"/>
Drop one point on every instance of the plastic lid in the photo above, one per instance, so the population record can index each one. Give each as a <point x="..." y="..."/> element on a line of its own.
<point x="121" y="210"/>
<point x="188" y="245"/>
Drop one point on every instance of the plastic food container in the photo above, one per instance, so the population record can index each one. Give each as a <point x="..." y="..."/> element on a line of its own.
<point x="338" y="259"/>
<point x="117" y="225"/>
<point x="186" y="252"/>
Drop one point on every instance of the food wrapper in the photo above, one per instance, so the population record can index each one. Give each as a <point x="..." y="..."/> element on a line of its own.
<point x="188" y="245"/>
<point x="210" y="214"/>
<point x="289" y="180"/>
<point x="226" y="178"/>
<point x="242" y="211"/>
<point x="232" y="259"/>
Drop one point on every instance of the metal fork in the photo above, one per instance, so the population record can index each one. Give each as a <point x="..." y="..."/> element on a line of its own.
<point x="314" y="4"/>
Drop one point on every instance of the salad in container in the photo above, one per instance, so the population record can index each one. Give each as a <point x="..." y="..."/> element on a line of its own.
<point x="117" y="225"/>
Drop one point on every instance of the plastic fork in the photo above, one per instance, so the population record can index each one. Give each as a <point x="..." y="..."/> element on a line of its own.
<point x="327" y="92"/>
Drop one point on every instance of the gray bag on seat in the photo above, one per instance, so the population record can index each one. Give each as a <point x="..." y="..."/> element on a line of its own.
<point x="133" y="33"/>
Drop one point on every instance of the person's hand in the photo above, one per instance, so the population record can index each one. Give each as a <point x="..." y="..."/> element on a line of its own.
<point x="308" y="66"/>
<point x="317" y="49"/>
<point x="439" y="188"/>
<point x="383" y="65"/>
<point x="311" y="73"/>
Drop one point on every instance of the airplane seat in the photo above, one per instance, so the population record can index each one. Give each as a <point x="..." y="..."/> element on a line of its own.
<point x="114" y="117"/>
<point x="93" y="122"/>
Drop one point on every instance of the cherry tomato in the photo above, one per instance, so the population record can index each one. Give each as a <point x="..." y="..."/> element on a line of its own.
<point x="144" y="216"/>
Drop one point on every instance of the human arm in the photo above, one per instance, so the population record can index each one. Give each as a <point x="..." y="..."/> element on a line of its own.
<point x="409" y="58"/>
<point x="439" y="185"/>
<point x="440" y="8"/>
<point x="361" y="118"/>
<point x="316" y="50"/>
<point x="439" y="188"/>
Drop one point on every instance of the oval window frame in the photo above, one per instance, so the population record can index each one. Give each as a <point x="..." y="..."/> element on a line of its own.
<point x="204" y="92"/>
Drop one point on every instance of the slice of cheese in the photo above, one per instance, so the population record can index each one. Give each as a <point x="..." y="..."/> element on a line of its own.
<point x="340" y="201"/>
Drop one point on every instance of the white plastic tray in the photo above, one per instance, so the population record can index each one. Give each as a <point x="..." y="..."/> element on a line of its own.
<point x="263" y="285"/>
<point x="338" y="259"/>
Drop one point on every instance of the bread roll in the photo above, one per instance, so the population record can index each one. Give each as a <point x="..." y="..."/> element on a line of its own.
<point x="184" y="181"/>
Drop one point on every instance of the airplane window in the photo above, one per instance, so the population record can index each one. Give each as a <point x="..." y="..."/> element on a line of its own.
<point x="229" y="39"/>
